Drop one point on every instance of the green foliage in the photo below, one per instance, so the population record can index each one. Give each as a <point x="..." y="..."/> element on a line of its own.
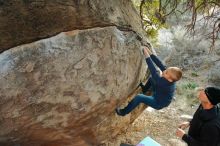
<point x="156" y="13"/>
<point x="186" y="89"/>
<point x="189" y="85"/>
<point x="151" y="30"/>
<point x="152" y="13"/>
<point x="194" y="74"/>
<point x="152" y="33"/>
<point x="153" y="18"/>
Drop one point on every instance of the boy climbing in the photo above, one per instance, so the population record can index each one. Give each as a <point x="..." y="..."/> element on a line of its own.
<point x="162" y="85"/>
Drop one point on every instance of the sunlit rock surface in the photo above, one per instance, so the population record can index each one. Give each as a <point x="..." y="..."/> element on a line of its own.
<point x="60" y="89"/>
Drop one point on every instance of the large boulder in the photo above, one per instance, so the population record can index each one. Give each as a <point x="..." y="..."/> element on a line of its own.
<point x="58" y="90"/>
<point x="63" y="90"/>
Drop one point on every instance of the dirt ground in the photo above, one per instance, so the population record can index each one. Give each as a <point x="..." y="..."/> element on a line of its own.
<point x="162" y="124"/>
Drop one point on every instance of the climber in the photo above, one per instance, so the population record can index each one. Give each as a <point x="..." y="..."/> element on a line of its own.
<point x="204" y="128"/>
<point x="162" y="85"/>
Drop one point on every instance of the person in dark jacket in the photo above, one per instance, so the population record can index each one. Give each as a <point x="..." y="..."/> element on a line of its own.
<point x="163" y="85"/>
<point x="204" y="128"/>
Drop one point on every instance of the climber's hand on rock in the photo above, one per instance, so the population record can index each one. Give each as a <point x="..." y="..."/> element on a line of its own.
<point x="145" y="51"/>
<point x="149" y="51"/>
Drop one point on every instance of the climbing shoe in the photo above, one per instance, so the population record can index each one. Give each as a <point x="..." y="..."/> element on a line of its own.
<point x="119" y="112"/>
<point x="141" y="85"/>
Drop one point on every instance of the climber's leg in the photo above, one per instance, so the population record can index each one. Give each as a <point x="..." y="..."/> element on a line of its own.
<point x="140" y="98"/>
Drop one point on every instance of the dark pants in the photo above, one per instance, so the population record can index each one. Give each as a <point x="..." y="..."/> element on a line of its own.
<point x="141" y="98"/>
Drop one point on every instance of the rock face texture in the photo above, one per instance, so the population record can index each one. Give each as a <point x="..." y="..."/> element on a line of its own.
<point x="25" y="21"/>
<point x="63" y="90"/>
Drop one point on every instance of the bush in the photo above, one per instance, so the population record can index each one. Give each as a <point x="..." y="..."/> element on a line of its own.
<point x="189" y="85"/>
<point x="187" y="91"/>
